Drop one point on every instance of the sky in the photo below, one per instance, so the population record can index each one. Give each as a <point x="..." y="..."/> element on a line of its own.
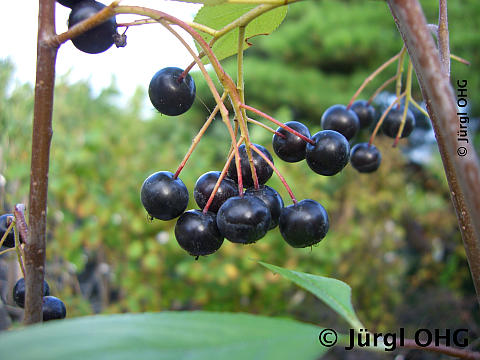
<point x="149" y="47"/>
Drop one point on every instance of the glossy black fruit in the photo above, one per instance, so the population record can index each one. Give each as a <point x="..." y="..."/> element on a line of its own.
<point x="95" y="40"/>
<point x="19" y="292"/>
<point x="263" y="170"/>
<point x="291" y="148"/>
<point x="168" y="94"/>
<point x="10" y="239"/>
<point x="204" y="187"/>
<point x="338" y="118"/>
<point x="164" y="197"/>
<point x="271" y="198"/>
<point x="329" y="154"/>
<point x="391" y="123"/>
<point x="243" y="219"/>
<point x="365" y="158"/>
<point x="365" y="112"/>
<point x="69" y="3"/>
<point x="303" y="224"/>
<point x="197" y="233"/>
<point x="53" y="308"/>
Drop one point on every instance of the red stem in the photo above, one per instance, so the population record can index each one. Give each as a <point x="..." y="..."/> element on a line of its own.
<point x="282" y="179"/>
<point x="268" y="117"/>
<point x="221" y="177"/>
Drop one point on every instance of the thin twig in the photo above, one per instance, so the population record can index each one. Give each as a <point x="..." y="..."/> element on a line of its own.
<point x="282" y="179"/>
<point x="197" y="138"/>
<point x="380" y="121"/>
<point x="443" y="37"/>
<point x="381" y="88"/>
<point x="9" y="228"/>
<point x="286" y="127"/>
<point x="371" y="77"/>
<point x="231" y="154"/>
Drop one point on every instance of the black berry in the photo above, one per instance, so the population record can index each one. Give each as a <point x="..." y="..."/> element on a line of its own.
<point x="53" y="308"/>
<point x="263" y="170"/>
<point x="338" y="118"/>
<point x="197" y="232"/>
<point x="95" y="40"/>
<point x="391" y="123"/>
<point x="290" y="148"/>
<point x="271" y="198"/>
<point x="243" y="219"/>
<point x="69" y="3"/>
<point x="19" y="292"/>
<point x="365" y="112"/>
<point x="169" y="94"/>
<point x="164" y="197"/>
<point x="329" y="154"/>
<point x="303" y="224"/>
<point x="4" y="224"/>
<point x="204" y="187"/>
<point x="365" y="158"/>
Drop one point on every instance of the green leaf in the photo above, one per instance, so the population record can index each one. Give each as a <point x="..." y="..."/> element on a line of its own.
<point x="217" y="17"/>
<point x="166" y="335"/>
<point x="333" y="292"/>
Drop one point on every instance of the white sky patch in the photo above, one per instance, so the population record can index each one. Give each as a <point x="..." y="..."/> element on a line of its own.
<point x="149" y="47"/>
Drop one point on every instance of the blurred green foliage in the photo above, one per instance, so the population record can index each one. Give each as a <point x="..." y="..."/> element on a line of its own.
<point x="393" y="233"/>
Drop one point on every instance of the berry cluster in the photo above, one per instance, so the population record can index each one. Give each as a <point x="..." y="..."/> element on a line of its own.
<point x="225" y="209"/>
<point x="52" y="307"/>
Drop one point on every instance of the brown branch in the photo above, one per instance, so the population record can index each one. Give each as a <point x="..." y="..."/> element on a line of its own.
<point x="442" y="349"/>
<point x="41" y="139"/>
<point x="463" y="173"/>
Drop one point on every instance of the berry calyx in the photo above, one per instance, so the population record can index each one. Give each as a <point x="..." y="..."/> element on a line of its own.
<point x="263" y="170"/>
<point x="329" y="154"/>
<point x="365" y="158"/>
<point x="204" y="187"/>
<point x="304" y="223"/>
<point x="53" y="308"/>
<point x="243" y="219"/>
<point x="391" y="123"/>
<point x="341" y="119"/>
<point x="19" y="292"/>
<point x="4" y="224"/>
<point x="290" y="148"/>
<point x="163" y="196"/>
<point x="97" y="39"/>
<point x="197" y="233"/>
<point x="365" y="113"/>
<point x="171" y="94"/>
<point x="271" y="198"/>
